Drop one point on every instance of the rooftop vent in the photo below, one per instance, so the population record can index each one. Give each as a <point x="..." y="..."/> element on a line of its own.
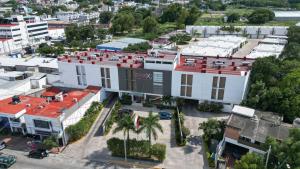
<point x="75" y="100"/>
<point x="189" y="60"/>
<point x="16" y="100"/>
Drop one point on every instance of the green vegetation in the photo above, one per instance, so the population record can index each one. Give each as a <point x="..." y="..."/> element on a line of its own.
<point x="55" y="50"/>
<point x="50" y="142"/>
<point x="213" y="129"/>
<point x="275" y="81"/>
<point x="150" y="125"/>
<point x="112" y="118"/>
<point x="138" y="149"/>
<point x="140" y="47"/>
<point x="250" y="161"/>
<point x="81" y="128"/>
<point x="262" y="3"/>
<point x="261" y="16"/>
<point x="105" y="17"/>
<point x="285" y="152"/>
<point x="180" y="39"/>
<point x="126" y="99"/>
<point x="210" y="107"/>
<point x="150" y="25"/>
<point x="181" y="132"/>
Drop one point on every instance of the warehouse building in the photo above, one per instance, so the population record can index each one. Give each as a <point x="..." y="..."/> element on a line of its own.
<point x="120" y="44"/>
<point x="287" y="15"/>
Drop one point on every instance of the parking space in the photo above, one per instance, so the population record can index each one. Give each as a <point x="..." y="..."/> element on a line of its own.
<point x="19" y="143"/>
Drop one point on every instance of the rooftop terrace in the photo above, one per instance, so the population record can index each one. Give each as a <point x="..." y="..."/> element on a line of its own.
<point x="219" y="65"/>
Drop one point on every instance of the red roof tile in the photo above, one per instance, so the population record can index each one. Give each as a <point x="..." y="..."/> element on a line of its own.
<point x="41" y="107"/>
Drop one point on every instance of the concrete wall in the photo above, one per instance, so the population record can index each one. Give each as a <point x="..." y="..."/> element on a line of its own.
<point x="202" y="86"/>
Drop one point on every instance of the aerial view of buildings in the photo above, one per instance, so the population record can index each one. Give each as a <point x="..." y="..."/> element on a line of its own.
<point x="94" y="84"/>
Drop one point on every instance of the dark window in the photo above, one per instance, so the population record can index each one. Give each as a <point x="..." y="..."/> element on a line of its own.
<point x="215" y="81"/>
<point x="189" y="91"/>
<point x="37" y="34"/>
<point x="213" y="93"/>
<point x="222" y="82"/>
<point x="31" y="26"/>
<point x="36" y="30"/>
<point x="183" y="79"/>
<point x="182" y="91"/>
<point x="220" y="94"/>
<point x="150" y="61"/>
<point x="189" y="80"/>
<point x="41" y="124"/>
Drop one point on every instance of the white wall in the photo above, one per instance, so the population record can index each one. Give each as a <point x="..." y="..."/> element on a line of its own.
<point x="69" y="77"/>
<point x="202" y="86"/>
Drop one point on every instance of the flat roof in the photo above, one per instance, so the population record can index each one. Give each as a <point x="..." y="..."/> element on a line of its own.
<point x="37" y="106"/>
<point x="287" y="14"/>
<point x="119" y="44"/>
<point x="269" y="48"/>
<point x="36" y="61"/>
<point x="244" y="111"/>
<point x="113" y="58"/>
<point x="274" y="41"/>
<point x="231" y="66"/>
<point x="257" y="54"/>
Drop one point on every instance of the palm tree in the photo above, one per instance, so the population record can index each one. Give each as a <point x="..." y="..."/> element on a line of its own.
<point x="167" y="100"/>
<point x="125" y="124"/>
<point x="149" y="125"/>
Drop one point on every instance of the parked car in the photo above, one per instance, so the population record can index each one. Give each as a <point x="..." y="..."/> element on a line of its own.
<point x="2" y="145"/>
<point x="39" y="153"/>
<point x="122" y="112"/>
<point x="165" y="115"/>
<point x="7" y="160"/>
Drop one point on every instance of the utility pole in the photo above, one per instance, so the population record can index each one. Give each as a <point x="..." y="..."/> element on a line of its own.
<point x="268" y="155"/>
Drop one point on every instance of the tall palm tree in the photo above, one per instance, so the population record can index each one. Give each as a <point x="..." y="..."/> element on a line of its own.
<point x="149" y="125"/>
<point x="125" y="124"/>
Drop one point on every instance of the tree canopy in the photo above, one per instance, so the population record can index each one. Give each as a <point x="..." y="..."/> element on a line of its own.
<point x="275" y="81"/>
<point x="250" y="161"/>
<point x="260" y="16"/>
<point x="105" y="17"/>
<point x="150" y="25"/>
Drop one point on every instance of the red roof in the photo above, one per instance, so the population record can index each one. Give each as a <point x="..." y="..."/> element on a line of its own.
<point x="7" y="25"/>
<point x="40" y="107"/>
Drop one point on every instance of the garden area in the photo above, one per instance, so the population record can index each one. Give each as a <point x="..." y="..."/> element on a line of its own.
<point x="81" y="128"/>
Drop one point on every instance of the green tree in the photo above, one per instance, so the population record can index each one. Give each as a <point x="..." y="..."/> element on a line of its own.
<point x="150" y="25"/>
<point x="233" y="17"/>
<point x="122" y="22"/>
<point x="192" y="16"/>
<point x="213" y="129"/>
<point x="261" y="16"/>
<point x="150" y="125"/>
<point x="171" y="13"/>
<point x="105" y="17"/>
<point x="250" y="161"/>
<point x="286" y="151"/>
<point x="126" y="125"/>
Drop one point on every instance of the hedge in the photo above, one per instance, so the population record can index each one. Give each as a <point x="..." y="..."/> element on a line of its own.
<point x="126" y="99"/>
<point x="112" y="118"/>
<point x="210" y="107"/>
<point x="137" y="149"/>
<point x="81" y="128"/>
<point x="185" y="131"/>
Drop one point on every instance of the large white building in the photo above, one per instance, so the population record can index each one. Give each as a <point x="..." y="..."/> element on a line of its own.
<point x="144" y="76"/>
<point x="24" y="31"/>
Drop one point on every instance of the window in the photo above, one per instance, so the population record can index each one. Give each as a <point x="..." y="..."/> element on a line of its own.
<point x="158" y="82"/>
<point x="41" y="124"/>
<point x="167" y="63"/>
<point x="81" y="76"/>
<point x="105" y="77"/>
<point x="218" y="88"/>
<point x="150" y="61"/>
<point x="186" y="85"/>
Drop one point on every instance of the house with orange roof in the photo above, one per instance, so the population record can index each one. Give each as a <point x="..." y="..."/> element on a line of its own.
<point x="49" y="114"/>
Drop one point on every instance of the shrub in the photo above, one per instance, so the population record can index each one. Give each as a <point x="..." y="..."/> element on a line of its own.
<point x="159" y="151"/>
<point x="50" y="142"/>
<point x="148" y="104"/>
<point x="112" y="118"/>
<point x="139" y="149"/>
<point x="210" y="107"/>
<point x="81" y="128"/>
<point x="126" y="99"/>
<point x="185" y="131"/>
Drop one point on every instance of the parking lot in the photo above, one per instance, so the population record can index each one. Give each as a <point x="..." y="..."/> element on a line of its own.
<point x="95" y="154"/>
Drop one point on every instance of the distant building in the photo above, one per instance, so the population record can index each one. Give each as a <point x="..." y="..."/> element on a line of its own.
<point x="24" y="31"/>
<point x="287" y="15"/>
<point x="8" y="46"/>
<point x="119" y="44"/>
<point x="245" y="31"/>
